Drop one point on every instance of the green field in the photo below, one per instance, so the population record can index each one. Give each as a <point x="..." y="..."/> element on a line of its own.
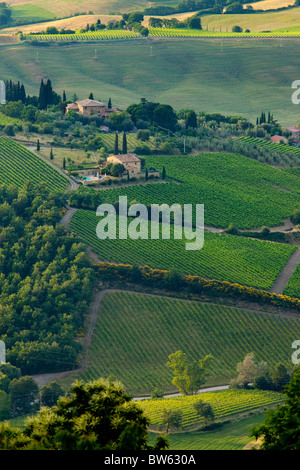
<point x="200" y="34"/>
<point x="225" y="404"/>
<point x="233" y="188"/>
<point x="18" y="165"/>
<point x="42" y="10"/>
<point x="233" y="436"/>
<point x="135" y="334"/>
<point x="282" y="148"/>
<point x="224" y="257"/>
<point x="268" y="21"/>
<point x="235" y="77"/>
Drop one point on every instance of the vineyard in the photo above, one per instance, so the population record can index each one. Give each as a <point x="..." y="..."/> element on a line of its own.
<point x="132" y="142"/>
<point x="225" y="404"/>
<point x="282" y="148"/>
<point x="89" y="36"/>
<point x="225" y="257"/>
<point x="18" y="165"/>
<point x="135" y="334"/>
<point x="201" y="34"/>
<point x="157" y="32"/>
<point x="233" y="188"/>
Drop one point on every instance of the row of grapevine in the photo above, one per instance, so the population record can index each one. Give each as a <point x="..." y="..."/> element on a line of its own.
<point x="18" y="165"/>
<point x="196" y="33"/>
<point x="234" y="189"/>
<point x="89" y="36"/>
<point x="283" y="148"/>
<point x="225" y="403"/>
<point x="156" y="32"/>
<point x="248" y="262"/>
<point x="136" y="329"/>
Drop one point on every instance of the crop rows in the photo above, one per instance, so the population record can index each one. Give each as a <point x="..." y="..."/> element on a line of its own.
<point x="97" y="36"/>
<point x="135" y="334"/>
<point x="234" y="259"/>
<point x="156" y="32"/>
<point x="233" y="188"/>
<point x="224" y="404"/>
<point x="132" y="142"/>
<point x="194" y="33"/>
<point x="18" y="165"/>
<point x="283" y="148"/>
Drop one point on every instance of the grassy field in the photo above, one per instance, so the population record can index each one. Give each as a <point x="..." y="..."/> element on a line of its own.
<point x="41" y="10"/>
<point x="234" y="189"/>
<point x="233" y="436"/>
<point x="267" y="21"/>
<point x="135" y="334"/>
<point x="18" y="165"/>
<point x="236" y="77"/>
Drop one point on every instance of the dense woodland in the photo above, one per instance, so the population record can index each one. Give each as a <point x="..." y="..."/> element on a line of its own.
<point x="45" y="281"/>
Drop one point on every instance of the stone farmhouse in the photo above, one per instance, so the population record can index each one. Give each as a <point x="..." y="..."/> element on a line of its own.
<point x="90" y="107"/>
<point x="130" y="162"/>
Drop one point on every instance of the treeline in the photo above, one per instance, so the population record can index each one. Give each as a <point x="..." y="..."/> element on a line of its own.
<point x="47" y="96"/>
<point x="5" y="14"/>
<point x="45" y="281"/>
<point x="176" y="282"/>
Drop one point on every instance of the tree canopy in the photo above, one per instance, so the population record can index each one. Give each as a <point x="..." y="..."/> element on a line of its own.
<point x="281" y="427"/>
<point x="189" y="374"/>
<point x="97" y="415"/>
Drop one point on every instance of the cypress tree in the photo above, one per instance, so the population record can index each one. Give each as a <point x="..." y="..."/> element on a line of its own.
<point x="163" y="175"/>
<point x="38" y="145"/>
<point x="64" y="96"/>
<point x="109" y="103"/>
<point x="146" y="174"/>
<point x="42" y="96"/>
<point x="64" y="163"/>
<point x="124" y="143"/>
<point x="91" y="96"/>
<point x="116" y="148"/>
<point x="51" y="154"/>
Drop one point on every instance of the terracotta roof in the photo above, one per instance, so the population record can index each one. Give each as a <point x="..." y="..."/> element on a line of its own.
<point x="125" y="158"/>
<point x="293" y="129"/>
<point x="90" y="103"/>
<point x="72" y="106"/>
<point x="276" y="138"/>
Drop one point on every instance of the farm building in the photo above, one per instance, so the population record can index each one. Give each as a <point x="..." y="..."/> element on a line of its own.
<point x="90" y="107"/>
<point x="295" y="130"/>
<point x="279" y="139"/>
<point x="130" y="162"/>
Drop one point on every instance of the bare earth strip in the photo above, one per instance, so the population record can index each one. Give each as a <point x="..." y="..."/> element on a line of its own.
<point x="286" y="273"/>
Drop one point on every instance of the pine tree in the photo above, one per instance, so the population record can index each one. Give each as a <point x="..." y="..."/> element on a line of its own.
<point x="124" y="143"/>
<point x="116" y="148"/>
